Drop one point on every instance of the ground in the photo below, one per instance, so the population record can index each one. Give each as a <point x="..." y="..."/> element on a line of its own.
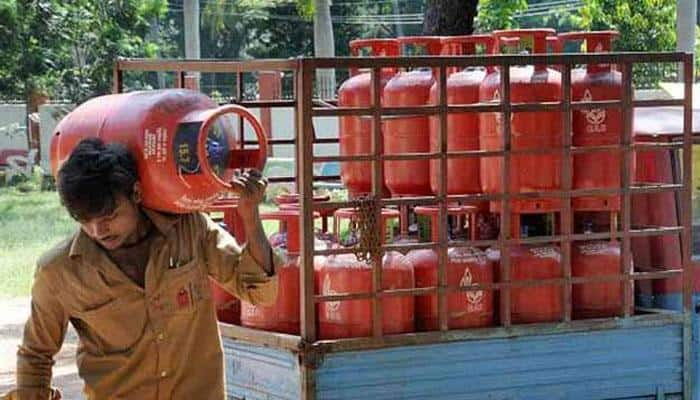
<point x="65" y="373"/>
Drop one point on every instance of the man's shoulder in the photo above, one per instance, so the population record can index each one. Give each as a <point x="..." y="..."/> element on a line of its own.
<point x="57" y="257"/>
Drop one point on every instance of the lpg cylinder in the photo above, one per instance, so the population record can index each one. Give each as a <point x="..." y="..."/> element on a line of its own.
<point x="590" y="259"/>
<point x="462" y="128"/>
<point x="186" y="148"/>
<point x="529" y="130"/>
<point x="355" y="132"/>
<point x="596" y="127"/>
<point x="541" y="302"/>
<point x="283" y="316"/>
<point x="409" y="134"/>
<point x="465" y="266"/>
<point x="291" y="200"/>
<point x="345" y="274"/>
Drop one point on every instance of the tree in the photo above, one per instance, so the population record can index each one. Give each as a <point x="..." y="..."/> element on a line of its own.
<point x="499" y="14"/>
<point x="644" y="25"/>
<point x="67" y="50"/>
<point x="449" y="17"/>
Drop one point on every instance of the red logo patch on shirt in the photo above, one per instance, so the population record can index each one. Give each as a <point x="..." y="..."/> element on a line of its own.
<point x="182" y="298"/>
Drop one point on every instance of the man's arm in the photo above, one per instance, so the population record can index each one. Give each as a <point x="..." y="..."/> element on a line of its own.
<point x="248" y="273"/>
<point x="251" y="190"/>
<point x="43" y="336"/>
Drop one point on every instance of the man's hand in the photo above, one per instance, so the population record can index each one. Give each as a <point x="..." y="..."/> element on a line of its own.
<point x="250" y="187"/>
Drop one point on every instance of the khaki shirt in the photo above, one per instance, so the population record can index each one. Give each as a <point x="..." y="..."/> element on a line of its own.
<point x="157" y="342"/>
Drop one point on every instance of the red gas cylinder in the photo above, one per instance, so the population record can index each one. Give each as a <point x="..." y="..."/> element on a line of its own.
<point x="283" y="316"/>
<point x="291" y="201"/>
<point x="596" y="127"/>
<point x="596" y="258"/>
<point x="462" y="128"/>
<point x="355" y="132"/>
<point x="656" y="210"/>
<point x="465" y="266"/>
<point x="186" y="148"/>
<point x="540" y="303"/>
<point x="340" y="274"/>
<point x="530" y="130"/>
<point x="409" y="134"/>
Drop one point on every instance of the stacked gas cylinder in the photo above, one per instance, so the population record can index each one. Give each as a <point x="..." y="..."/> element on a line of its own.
<point x="531" y="302"/>
<point x="468" y="175"/>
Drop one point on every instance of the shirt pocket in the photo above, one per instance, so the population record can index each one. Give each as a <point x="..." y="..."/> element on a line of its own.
<point x="114" y="327"/>
<point x="184" y="289"/>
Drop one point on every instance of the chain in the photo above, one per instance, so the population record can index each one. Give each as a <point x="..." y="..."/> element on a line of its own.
<point x="368" y="231"/>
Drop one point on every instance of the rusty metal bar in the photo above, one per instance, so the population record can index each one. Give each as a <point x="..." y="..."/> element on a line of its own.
<point x="293" y="141"/>
<point x="566" y="179"/>
<point x="626" y="179"/>
<point x="470" y="153"/>
<point x="304" y="93"/>
<point x="424" y="338"/>
<point x="480" y="107"/>
<point x="117" y="79"/>
<point x="500" y="59"/>
<point x="264" y="103"/>
<point x="305" y="187"/>
<point x="686" y="222"/>
<point x="222" y="66"/>
<point x="377" y="186"/>
<point x="239" y="97"/>
<point x="658" y="103"/>
<point x="499" y="285"/>
<point x="325" y="178"/>
<point x="443" y="319"/>
<point x="517" y="241"/>
<point x="427" y="200"/>
<point x="180" y="79"/>
<point x="505" y="234"/>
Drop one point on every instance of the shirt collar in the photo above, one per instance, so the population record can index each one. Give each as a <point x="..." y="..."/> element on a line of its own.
<point x="83" y="244"/>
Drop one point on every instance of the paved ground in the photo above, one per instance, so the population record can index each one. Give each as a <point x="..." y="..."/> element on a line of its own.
<point x="13" y="313"/>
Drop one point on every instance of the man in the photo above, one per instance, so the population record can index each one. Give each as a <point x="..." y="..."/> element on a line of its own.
<point x="133" y="282"/>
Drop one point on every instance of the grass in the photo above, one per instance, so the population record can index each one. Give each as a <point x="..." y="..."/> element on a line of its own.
<point x="30" y="224"/>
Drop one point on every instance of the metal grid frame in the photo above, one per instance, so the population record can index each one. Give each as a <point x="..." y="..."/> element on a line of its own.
<point x="311" y="349"/>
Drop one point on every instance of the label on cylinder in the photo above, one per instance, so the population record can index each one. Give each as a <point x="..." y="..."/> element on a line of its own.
<point x="545" y="252"/>
<point x="595" y="248"/>
<point x="251" y="310"/>
<point x="332" y="307"/>
<point x="595" y="118"/>
<point x="155" y="145"/>
<point x="475" y="298"/>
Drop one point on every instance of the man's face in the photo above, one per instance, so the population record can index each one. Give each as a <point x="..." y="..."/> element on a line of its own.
<point x="116" y="229"/>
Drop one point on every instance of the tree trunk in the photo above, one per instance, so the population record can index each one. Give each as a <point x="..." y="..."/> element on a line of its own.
<point x="449" y="17"/>
<point x="324" y="46"/>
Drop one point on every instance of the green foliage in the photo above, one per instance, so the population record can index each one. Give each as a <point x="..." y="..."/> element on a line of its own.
<point x="498" y="14"/>
<point x="67" y="49"/>
<point x="644" y="25"/>
<point x="306" y="8"/>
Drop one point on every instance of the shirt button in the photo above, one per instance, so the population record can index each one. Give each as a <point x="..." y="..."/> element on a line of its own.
<point x="160" y="337"/>
<point x="163" y="374"/>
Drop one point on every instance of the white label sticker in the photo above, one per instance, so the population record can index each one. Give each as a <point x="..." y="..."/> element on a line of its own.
<point x="149" y="144"/>
<point x="332" y="307"/>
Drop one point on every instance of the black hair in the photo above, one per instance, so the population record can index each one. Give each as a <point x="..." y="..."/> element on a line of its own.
<point x="93" y="177"/>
